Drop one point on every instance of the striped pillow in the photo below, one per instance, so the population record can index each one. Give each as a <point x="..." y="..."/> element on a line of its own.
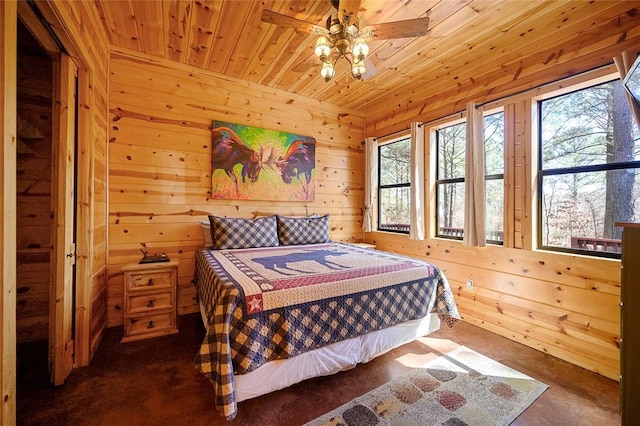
<point x="206" y="231"/>
<point x="305" y="230"/>
<point x="238" y="233"/>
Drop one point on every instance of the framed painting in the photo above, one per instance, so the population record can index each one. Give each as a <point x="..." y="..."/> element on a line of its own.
<point x="251" y="163"/>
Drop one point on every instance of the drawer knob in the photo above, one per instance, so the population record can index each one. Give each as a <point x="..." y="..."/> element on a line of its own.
<point x="150" y="282"/>
<point x="150" y="304"/>
<point x="151" y="324"/>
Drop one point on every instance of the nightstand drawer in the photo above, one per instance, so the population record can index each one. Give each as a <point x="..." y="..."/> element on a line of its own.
<point x="150" y="302"/>
<point x="151" y="280"/>
<point x="149" y="324"/>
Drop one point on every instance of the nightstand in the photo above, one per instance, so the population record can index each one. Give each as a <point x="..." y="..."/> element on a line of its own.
<point x="150" y="300"/>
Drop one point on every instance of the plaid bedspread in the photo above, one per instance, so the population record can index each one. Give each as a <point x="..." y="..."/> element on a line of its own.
<point x="275" y="303"/>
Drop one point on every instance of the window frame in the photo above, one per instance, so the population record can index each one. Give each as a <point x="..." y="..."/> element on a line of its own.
<point x="397" y="139"/>
<point x="542" y="173"/>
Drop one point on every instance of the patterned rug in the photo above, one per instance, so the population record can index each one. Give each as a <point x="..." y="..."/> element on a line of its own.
<point x="459" y="388"/>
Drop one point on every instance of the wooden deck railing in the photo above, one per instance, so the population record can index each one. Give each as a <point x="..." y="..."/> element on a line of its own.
<point x="395" y="227"/>
<point x="597" y="244"/>
<point x="459" y="232"/>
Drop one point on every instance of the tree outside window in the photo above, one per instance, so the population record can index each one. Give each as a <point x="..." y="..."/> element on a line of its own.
<point x="394" y="194"/>
<point x="588" y="169"/>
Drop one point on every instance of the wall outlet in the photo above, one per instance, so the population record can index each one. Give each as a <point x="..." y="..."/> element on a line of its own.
<point x="469" y="283"/>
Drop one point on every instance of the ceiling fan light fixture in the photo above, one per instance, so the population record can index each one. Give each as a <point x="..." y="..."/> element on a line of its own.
<point x="358" y="69"/>
<point x="327" y="70"/>
<point x="360" y="49"/>
<point x="342" y="37"/>
<point x="322" y="48"/>
<point x="334" y="26"/>
<point x="353" y="29"/>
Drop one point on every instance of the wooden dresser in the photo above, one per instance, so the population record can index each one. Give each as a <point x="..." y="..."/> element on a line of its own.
<point x="150" y="300"/>
<point x="630" y="324"/>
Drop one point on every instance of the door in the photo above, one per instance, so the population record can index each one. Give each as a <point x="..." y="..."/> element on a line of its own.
<point x="63" y="253"/>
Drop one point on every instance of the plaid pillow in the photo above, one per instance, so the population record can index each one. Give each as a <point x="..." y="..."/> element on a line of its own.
<point x="237" y="233"/>
<point x="305" y="230"/>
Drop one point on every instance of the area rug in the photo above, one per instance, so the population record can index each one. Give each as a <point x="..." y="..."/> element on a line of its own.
<point x="462" y="387"/>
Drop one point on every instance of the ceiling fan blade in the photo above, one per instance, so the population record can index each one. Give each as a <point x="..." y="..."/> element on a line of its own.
<point x="398" y="29"/>
<point x="348" y="8"/>
<point x="276" y="18"/>
<point x="371" y="69"/>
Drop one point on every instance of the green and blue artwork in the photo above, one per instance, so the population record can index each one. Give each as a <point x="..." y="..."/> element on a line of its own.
<point x="252" y="163"/>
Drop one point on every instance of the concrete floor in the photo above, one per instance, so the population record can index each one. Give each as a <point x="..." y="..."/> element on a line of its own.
<point x="154" y="382"/>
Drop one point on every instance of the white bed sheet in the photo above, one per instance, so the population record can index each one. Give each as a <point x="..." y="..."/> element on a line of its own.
<point x="330" y="359"/>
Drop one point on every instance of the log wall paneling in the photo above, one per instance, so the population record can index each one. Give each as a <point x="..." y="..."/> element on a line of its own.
<point x="160" y="156"/>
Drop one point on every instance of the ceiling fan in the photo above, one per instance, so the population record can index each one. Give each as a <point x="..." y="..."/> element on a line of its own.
<point x="342" y="36"/>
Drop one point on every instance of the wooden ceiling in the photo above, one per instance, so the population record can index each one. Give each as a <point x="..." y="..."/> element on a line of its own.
<point x="468" y="42"/>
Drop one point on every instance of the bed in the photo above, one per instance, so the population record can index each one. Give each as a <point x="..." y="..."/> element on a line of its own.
<point x="276" y="313"/>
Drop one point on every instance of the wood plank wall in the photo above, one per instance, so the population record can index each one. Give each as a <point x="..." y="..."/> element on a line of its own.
<point x="561" y="304"/>
<point x="8" y="86"/>
<point x="160" y="154"/>
<point x="33" y="197"/>
<point x="77" y="24"/>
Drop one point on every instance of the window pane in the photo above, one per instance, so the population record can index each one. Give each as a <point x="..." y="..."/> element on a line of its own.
<point x="579" y="210"/>
<point x="451" y="145"/>
<point x="587" y="127"/>
<point x="494" y="196"/>
<point x="394" y="209"/>
<point x="395" y="162"/>
<point x="451" y="209"/>
<point x="494" y="143"/>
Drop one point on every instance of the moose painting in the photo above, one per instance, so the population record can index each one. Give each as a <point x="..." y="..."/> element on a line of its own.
<point x="252" y="163"/>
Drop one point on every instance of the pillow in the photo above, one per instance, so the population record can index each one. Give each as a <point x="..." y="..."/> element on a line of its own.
<point x="236" y="233"/>
<point x="206" y="231"/>
<point x="304" y="230"/>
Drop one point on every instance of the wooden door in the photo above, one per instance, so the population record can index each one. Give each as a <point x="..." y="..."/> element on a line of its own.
<point x="63" y="256"/>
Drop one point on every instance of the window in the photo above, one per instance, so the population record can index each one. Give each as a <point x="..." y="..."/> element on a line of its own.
<point x="394" y="197"/>
<point x="494" y="176"/>
<point x="450" y="181"/>
<point x="450" y="143"/>
<point x="588" y="168"/>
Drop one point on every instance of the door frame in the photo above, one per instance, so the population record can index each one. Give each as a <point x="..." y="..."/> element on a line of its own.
<point x="84" y="206"/>
<point x="8" y="153"/>
<point x="9" y="11"/>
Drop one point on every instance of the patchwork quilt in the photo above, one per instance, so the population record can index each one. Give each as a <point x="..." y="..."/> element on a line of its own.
<point x="264" y="304"/>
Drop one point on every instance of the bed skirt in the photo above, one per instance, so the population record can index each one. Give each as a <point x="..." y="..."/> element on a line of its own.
<point x="327" y="360"/>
